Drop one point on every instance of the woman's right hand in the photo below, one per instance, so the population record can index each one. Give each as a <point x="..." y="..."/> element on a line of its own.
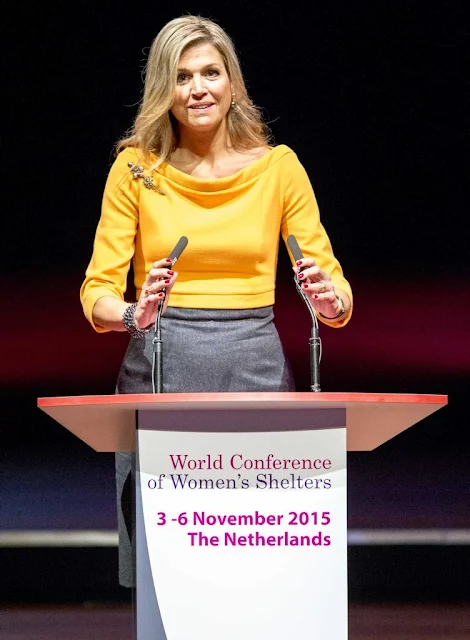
<point x="160" y="277"/>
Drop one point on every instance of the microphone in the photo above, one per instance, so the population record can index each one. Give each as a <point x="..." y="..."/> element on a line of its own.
<point x="314" y="341"/>
<point x="174" y="255"/>
<point x="157" y="357"/>
<point x="294" y="247"/>
<point x="178" y="250"/>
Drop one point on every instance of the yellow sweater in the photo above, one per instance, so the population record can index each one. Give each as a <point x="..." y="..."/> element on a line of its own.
<point x="232" y="224"/>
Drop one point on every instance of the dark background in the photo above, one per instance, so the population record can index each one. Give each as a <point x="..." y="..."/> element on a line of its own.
<point x="368" y="94"/>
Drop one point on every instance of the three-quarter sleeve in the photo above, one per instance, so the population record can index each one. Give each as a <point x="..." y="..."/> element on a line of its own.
<point x="301" y="218"/>
<point x="114" y="243"/>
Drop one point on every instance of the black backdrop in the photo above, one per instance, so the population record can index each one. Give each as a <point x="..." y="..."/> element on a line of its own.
<point x="368" y="96"/>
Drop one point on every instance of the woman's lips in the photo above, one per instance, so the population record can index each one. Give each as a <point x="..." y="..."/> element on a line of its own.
<point x="201" y="107"/>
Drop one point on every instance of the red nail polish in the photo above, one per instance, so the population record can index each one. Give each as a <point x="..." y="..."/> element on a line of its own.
<point x="315" y="296"/>
<point x="300" y="276"/>
<point x="161" y="295"/>
<point x="169" y="260"/>
<point x="298" y="263"/>
<point x="167" y="282"/>
<point x="170" y="273"/>
<point x="305" y="286"/>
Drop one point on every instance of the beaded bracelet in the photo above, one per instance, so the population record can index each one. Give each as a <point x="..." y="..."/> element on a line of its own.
<point x="128" y="320"/>
<point x="341" y="311"/>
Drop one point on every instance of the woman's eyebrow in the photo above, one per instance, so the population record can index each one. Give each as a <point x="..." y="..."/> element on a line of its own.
<point x="206" y="66"/>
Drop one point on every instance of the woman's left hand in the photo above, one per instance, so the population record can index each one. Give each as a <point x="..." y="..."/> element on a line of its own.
<point x="318" y="287"/>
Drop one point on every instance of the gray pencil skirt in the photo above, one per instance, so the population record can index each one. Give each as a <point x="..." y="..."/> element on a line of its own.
<point x="204" y="351"/>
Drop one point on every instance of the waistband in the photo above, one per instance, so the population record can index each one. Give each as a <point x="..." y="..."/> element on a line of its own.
<point x="183" y="313"/>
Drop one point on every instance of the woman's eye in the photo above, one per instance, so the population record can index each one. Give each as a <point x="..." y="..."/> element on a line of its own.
<point x="181" y="77"/>
<point x="212" y="73"/>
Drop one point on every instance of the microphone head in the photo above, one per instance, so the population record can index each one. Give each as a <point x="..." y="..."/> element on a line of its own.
<point x="294" y="247"/>
<point x="178" y="250"/>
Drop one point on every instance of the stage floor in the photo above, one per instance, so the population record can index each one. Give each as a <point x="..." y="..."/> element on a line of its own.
<point x="114" y="622"/>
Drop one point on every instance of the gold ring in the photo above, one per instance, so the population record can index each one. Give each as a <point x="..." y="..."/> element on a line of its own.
<point x="322" y="287"/>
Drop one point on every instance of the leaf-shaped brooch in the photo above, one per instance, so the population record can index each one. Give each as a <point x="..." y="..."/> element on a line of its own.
<point x="138" y="172"/>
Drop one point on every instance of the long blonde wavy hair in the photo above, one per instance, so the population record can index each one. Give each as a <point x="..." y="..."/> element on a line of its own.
<point x="155" y="130"/>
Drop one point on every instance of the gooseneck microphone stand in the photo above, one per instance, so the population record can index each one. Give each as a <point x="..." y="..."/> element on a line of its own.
<point x="157" y="355"/>
<point x="314" y="341"/>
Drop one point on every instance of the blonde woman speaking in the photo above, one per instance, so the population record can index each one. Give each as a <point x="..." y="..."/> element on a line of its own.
<point x="198" y="163"/>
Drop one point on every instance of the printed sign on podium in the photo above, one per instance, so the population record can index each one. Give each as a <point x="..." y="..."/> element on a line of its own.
<point x="244" y="533"/>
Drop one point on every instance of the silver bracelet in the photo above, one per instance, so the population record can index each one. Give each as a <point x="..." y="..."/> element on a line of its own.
<point x="128" y="320"/>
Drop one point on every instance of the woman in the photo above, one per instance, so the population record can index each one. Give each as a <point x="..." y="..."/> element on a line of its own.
<point x="197" y="163"/>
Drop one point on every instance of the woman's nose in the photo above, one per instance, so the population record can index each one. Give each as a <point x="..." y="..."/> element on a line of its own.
<point x="197" y="86"/>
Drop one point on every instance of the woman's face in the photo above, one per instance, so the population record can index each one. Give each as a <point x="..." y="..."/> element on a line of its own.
<point x="203" y="90"/>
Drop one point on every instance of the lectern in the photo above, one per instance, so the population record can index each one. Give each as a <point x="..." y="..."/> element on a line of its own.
<point x="241" y="529"/>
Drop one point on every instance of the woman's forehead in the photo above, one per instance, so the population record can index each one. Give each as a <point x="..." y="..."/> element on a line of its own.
<point x="199" y="55"/>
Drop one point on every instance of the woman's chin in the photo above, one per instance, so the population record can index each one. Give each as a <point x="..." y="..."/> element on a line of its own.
<point x="204" y="125"/>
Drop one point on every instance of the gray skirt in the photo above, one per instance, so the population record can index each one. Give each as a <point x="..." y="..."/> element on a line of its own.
<point x="204" y="351"/>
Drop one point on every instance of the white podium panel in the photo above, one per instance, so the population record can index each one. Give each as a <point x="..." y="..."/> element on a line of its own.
<point x="241" y="533"/>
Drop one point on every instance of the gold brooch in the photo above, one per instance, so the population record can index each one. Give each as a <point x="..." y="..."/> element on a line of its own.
<point x="138" y="172"/>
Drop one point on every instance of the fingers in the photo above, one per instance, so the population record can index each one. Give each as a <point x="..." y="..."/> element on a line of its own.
<point x="313" y="274"/>
<point x="161" y="270"/>
<point x="303" y="264"/>
<point x="147" y="298"/>
<point x="159" y="281"/>
<point x="164" y="263"/>
<point x="321" y="291"/>
<point x="156" y="285"/>
<point x="159" y="274"/>
<point x="308" y="272"/>
<point x="156" y="290"/>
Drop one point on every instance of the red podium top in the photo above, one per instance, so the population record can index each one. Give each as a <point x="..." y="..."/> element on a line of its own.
<point x="107" y="423"/>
